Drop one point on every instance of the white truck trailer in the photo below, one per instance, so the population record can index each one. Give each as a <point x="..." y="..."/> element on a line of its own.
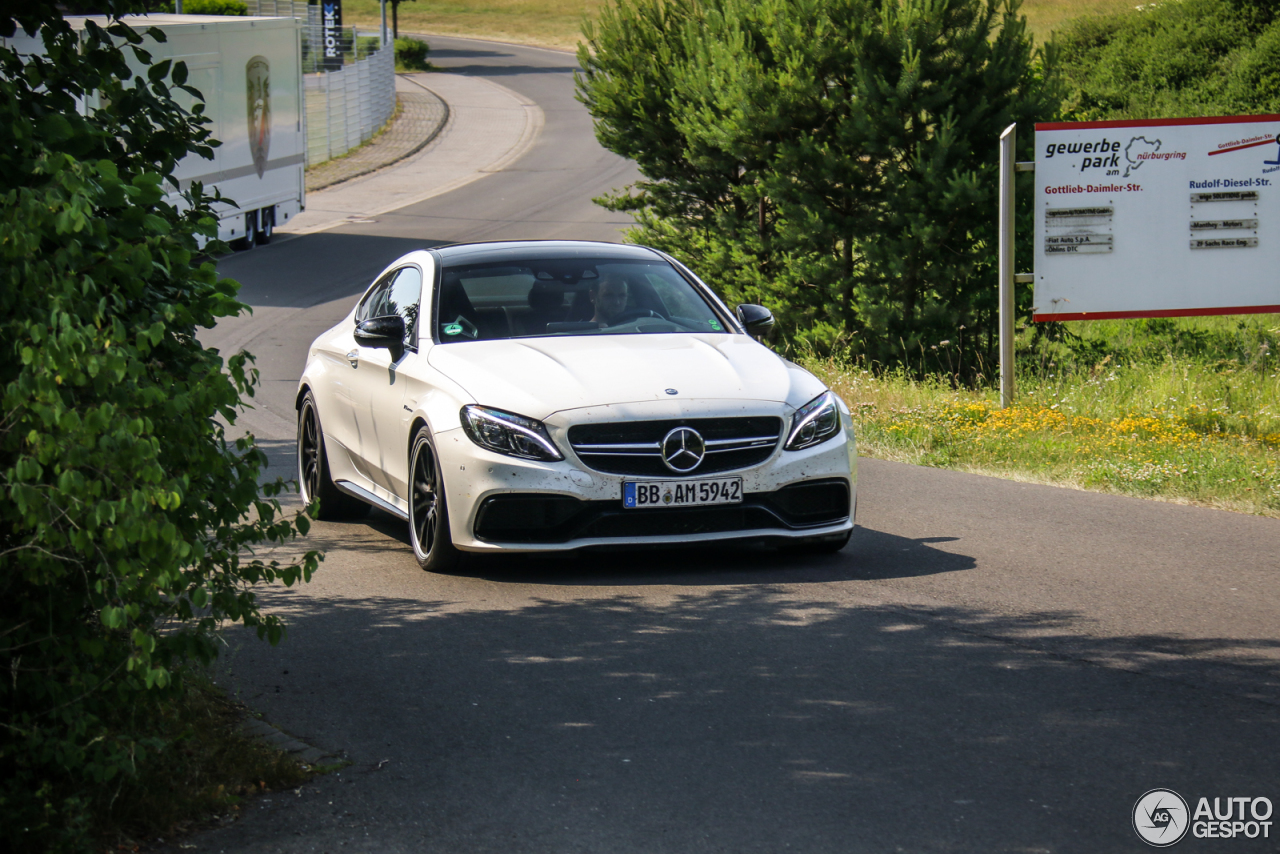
<point x="250" y="72"/>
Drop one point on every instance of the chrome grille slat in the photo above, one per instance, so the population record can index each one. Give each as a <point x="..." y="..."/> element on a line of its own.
<point x="731" y="443"/>
<point x="655" y="454"/>
<point x="712" y="443"/>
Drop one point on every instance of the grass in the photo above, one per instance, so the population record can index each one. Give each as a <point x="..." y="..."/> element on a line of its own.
<point x="558" y="23"/>
<point x="1184" y="410"/>
<point x="203" y="774"/>
<point x="1046" y="16"/>
<point x="545" y="23"/>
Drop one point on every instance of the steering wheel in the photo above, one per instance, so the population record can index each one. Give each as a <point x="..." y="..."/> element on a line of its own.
<point x="633" y="314"/>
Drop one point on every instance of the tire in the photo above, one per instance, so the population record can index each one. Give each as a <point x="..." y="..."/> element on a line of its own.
<point x="819" y="545"/>
<point x="428" y="515"/>
<point x="266" y="225"/>
<point x="314" y="479"/>
<point x="250" y="238"/>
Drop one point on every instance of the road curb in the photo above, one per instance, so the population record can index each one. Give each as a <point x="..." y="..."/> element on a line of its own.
<point x="304" y="753"/>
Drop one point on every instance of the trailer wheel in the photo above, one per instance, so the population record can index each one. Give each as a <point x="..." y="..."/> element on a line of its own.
<point x="250" y="238"/>
<point x="266" y="225"/>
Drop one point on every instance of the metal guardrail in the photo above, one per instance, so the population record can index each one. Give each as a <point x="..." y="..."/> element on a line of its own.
<point x="343" y="108"/>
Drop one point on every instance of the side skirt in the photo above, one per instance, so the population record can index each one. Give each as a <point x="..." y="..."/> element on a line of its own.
<point x="369" y="498"/>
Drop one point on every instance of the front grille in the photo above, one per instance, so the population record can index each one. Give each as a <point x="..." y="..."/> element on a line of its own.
<point x="634" y="447"/>
<point x="541" y="518"/>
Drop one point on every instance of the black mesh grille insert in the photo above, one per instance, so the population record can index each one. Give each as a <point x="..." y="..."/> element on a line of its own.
<point x="633" y="447"/>
<point x="537" y="518"/>
<point x="817" y="501"/>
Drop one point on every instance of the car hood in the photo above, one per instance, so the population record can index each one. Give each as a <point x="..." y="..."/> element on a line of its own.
<point x="537" y="377"/>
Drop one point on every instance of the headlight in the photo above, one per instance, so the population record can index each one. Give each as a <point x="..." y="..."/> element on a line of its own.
<point x="816" y="421"/>
<point x="506" y="433"/>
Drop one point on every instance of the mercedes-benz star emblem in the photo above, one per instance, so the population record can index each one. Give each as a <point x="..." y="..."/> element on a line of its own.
<point x="683" y="450"/>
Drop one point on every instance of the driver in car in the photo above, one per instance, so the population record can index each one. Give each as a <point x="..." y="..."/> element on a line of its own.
<point x="609" y="296"/>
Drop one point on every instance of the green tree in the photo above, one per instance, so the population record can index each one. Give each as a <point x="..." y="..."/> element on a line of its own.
<point x="945" y="77"/>
<point x="129" y="516"/>
<point x="633" y="62"/>
<point x="395" y="18"/>
<point x="833" y="159"/>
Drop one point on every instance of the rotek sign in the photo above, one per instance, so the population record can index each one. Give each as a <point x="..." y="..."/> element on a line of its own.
<point x="1159" y="218"/>
<point x="331" y="34"/>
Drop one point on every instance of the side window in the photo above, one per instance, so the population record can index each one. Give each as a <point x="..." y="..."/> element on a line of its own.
<point x="373" y="301"/>
<point x="403" y="299"/>
<point x="399" y="292"/>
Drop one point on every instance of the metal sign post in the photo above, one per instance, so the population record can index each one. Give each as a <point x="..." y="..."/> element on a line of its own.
<point x="1008" y="278"/>
<point x="1007" y="141"/>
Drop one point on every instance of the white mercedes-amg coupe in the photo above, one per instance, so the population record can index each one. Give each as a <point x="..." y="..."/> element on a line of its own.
<point x="551" y="395"/>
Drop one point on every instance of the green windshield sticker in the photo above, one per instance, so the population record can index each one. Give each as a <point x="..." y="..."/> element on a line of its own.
<point x="453" y="329"/>
<point x="714" y="324"/>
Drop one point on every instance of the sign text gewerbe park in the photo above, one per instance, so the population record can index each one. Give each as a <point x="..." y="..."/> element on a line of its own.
<point x="1161" y="218"/>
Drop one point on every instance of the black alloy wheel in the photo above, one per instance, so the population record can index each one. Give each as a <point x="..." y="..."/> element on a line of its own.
<point x="314" y="480"/>
<point x="266" y="225"/>
<point x="428" y="518"/>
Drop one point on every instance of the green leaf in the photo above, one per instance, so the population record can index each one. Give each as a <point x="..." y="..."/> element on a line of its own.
<point x="159" y="71"/>
<point x="113" y="617"/>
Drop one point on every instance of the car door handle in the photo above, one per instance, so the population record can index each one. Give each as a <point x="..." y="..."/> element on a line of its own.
<point x="354" y="358"/>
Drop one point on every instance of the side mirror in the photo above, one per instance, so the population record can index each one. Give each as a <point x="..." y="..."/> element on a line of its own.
<point x="757" y="320"/>
<point x="386" y="332"/>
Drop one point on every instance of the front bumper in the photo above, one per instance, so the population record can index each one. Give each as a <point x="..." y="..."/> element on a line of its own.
<point x="500" y="503"/>
<point x="528" y="518"/>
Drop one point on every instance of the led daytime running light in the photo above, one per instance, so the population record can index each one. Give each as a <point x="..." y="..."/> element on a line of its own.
<point x="508" y="433"/>
<point x="816" y="421"/>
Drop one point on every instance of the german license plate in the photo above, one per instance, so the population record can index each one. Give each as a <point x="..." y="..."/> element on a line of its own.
<point x="681" y="493"/>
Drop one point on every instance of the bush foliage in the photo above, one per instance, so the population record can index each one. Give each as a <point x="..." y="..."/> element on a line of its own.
<point x="212" y="7"/>
<point x="411" y="54"/>
<point x="1172" y="59"/>
<point x="833" y="160"/>
<point x="128" y="516"/>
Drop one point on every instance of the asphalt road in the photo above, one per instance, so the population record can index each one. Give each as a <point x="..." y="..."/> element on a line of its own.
<point x="989" y="666"/>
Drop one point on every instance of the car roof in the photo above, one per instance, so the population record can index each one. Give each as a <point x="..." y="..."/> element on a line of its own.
<point x="539" y="250"/>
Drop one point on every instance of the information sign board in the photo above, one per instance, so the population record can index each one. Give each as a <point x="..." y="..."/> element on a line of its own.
<point x="1161" y="218"/>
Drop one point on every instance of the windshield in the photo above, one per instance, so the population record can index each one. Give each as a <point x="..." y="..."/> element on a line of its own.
<point x="568" y="296"/>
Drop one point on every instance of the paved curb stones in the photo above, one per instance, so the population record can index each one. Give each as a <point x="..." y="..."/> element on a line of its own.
<point x="301" y="751"/>
<point x="423" y="114"/>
